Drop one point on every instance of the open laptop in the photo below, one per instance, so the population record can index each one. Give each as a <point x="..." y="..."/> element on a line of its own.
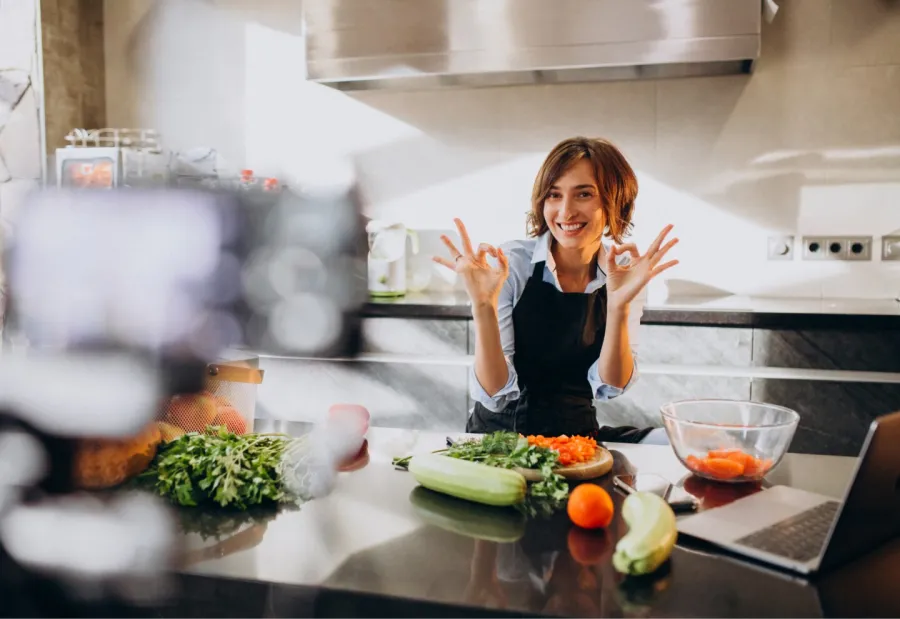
<point x="808" y="532"/>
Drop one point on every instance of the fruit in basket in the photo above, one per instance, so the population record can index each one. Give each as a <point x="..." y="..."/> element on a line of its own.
<point x="232" y="419"/>
<point x="191" y="411"/>
<point x="590" y="507"/>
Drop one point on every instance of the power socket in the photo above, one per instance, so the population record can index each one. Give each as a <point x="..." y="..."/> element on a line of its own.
<point x="890" y="248"/>
<point x="837" y="247"/>
<point x="781" y="248"/>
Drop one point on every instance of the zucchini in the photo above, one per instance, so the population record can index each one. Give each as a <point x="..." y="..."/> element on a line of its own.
<point x="471" y="481"/>
<point x="493" y="524"/>
<point x="651" y="535"/>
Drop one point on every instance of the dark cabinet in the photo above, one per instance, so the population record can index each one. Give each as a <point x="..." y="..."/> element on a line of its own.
<point x="834" y="416"/>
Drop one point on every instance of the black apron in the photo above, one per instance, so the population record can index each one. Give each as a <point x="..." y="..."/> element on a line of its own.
<point x="558" y="336"/>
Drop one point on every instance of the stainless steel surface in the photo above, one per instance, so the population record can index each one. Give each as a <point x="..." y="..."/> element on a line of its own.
<point x="368" y="538"/>
<point x="375" y="44"/>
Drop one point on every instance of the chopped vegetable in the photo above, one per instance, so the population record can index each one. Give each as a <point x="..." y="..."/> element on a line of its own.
<point x="590" y="507"/>
<point x="571" y="449"/>
<point x="728" y="464"/>
<point x="651" y="535"/>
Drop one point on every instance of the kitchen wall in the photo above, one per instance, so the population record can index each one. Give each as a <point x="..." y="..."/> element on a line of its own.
<point x="21" y="151"/>
<point x="72" y="44"/>
<point x="809" y="144"/>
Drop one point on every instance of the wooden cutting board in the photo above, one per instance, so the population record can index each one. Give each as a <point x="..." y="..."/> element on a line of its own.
<point x="598" y="466"/>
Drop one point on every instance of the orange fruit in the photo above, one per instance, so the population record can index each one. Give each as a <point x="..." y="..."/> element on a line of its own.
<point x="191" y="411"/>
<point x="231" y="419"/>
<point x="590" y="506"/>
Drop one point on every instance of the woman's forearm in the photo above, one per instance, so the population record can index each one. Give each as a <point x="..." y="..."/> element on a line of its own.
<point x="490" y="363"/>
<point x="616" y="361"/>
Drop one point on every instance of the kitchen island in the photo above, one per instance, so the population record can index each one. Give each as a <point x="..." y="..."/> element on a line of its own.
<point x="368" y="550"/>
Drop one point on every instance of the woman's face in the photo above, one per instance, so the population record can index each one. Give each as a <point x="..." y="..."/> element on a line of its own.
<point x="574" y="209"/>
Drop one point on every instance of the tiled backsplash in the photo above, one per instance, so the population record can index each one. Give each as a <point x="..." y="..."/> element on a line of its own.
<point x="809" y="144"/>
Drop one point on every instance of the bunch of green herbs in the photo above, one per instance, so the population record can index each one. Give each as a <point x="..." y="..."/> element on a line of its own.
<point x="230" y="470"/>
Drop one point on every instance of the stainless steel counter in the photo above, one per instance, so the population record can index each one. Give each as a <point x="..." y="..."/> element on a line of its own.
<point x="367" y="539"/>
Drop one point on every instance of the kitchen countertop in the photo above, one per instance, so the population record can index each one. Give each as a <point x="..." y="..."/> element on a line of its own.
<point x="364" y="550"/>
<point x="723" y="311"/>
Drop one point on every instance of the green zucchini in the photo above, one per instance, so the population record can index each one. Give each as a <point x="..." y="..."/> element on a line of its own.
<point x="471" y="481"/>
<point x="493" y="524"/>
<point x="651" y="535"/>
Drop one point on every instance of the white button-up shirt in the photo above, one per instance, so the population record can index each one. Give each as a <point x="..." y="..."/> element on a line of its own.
<point x="523" y="255"/>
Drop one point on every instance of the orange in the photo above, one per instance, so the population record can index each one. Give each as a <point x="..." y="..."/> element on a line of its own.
<point x="590" y="506"/>
<point x="231" y="419"/>
<point x="191" y="411"/>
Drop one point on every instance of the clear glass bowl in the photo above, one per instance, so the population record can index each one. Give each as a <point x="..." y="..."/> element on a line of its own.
<point x="729" y="440"/>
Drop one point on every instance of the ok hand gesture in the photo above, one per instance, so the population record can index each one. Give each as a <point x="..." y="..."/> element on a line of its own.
<point x="483" y="281"/>
<point x="625" y="282"/>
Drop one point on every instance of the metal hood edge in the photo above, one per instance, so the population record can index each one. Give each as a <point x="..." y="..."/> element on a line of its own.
<point x="426" y="44"/>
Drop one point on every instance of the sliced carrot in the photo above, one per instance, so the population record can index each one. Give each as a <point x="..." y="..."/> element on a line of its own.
<point x="740" y="456"/>
<point x="723" y="468"/>
<point x="693" y="462"/>
<point x="722" y="453"/>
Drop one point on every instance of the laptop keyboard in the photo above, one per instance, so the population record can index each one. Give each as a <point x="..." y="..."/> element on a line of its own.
<point x="800" y="537"/>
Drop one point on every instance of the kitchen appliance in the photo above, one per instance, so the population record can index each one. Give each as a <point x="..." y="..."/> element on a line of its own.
<point x="382" y="44"/>
<point x="387" y="257"/>
<point x="807" y="532"/>
<point x="108" y="158"/>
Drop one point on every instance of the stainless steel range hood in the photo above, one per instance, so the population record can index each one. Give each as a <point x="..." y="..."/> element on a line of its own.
<point x="371" y="44"/>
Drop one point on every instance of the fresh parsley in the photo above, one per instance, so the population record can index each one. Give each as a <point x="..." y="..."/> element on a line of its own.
<point x="238" y="471"/>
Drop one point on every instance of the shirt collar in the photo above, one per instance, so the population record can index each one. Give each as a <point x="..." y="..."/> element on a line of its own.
<point x="542" y="253"/>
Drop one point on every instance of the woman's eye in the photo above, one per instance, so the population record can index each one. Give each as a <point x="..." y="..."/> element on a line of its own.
<point x="554" y="196"/>
<point x="586" y="194"/>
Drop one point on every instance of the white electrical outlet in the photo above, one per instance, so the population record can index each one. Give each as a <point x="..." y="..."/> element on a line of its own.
<point x="781" y="248"/>
<point x="890" y="248"/>
<point x="837" y="247"/>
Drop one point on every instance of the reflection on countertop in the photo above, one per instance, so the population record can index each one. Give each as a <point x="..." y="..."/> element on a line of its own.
<point x="379" y="538"/>
<point x="732" y="310"/>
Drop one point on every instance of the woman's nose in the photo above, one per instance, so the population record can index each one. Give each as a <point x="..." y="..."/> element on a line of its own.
<point x="567" y="207"/>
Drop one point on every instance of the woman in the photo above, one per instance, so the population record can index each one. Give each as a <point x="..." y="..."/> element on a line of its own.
<point x="555" y="314"/>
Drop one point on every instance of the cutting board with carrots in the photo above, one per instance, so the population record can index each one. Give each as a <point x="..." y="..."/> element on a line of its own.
<point x="598" y="466"/>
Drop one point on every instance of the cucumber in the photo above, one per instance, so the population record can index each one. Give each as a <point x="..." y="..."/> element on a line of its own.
<point x="651" y="535"/>
<point x="471" y="481"/>
<point x="493" y="524"/>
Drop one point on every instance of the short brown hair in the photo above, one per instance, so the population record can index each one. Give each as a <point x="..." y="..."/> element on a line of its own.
<point x="615" y="179"/>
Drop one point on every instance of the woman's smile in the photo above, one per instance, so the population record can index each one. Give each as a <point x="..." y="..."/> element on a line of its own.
<point x="571" y="229"/>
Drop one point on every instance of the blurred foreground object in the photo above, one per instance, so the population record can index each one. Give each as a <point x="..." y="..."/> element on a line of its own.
<point x="124" y="306"/>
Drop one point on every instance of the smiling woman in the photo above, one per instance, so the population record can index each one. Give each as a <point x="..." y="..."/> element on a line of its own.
<point x="555" y="314"/>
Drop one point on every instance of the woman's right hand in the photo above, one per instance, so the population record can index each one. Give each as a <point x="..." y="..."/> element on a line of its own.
<point x="483" y="281"/>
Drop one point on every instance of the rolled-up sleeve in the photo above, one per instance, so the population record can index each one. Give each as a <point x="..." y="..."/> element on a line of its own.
<point x="601" y="390"/>
<point x="510" y="391"/>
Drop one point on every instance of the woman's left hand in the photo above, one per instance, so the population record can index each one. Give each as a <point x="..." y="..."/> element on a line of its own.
<point x="624" y="282"/>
